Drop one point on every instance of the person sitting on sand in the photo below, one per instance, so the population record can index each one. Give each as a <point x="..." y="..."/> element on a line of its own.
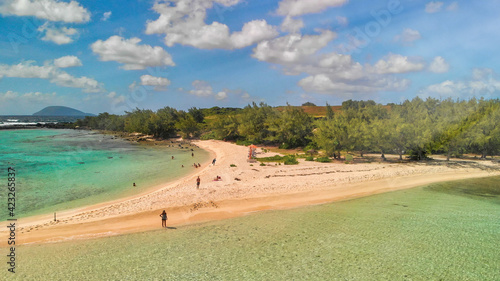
<point x="217" y="178"/>
<point x="163" y="219"/>
<point x="198" y="180"/>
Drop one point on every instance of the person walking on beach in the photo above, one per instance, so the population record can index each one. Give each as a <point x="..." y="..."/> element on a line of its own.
<point x="213" y="162"/>
<point x="163" y="219"/>
<point x="198" y="180"/>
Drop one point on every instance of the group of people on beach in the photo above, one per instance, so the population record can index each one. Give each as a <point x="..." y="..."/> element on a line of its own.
<point x="163" y="215"/>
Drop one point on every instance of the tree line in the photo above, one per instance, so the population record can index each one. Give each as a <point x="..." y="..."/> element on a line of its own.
<point x="414" y="127"/>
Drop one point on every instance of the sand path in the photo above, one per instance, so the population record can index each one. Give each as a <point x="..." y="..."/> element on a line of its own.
<point x="244" y="189"/>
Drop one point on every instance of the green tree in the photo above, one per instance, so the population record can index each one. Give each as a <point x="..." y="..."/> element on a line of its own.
<point x="187" y="126"/>
<point x="292" y="128"/>
<point x="197" y="114"/>
<point x="254" y="122"/>
<point x="225" y="127"/>
<point x="329" y="112"/>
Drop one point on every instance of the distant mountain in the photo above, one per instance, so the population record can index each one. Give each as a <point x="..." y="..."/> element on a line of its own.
<point x="61" y="111"/>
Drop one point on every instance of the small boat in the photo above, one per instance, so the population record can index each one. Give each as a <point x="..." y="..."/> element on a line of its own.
<point x="12" y="120"/>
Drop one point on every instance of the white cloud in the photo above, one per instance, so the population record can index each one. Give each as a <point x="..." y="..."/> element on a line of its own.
<point x="394" y="63"/>
<point x="292" y="25"/>
<point x="409" y="35"/>
<point x="60" y="36"/>
<point x="201" y="89"/>
<point x="130" y="53"/>
<point x="302" y="7"/>
<point x="452" y="7"/>
<point x="52" y="10"/>
<point x="323" y="83"/>
<point x="115" y="98"/>
<point x="433" y="7"/>
<point x="149" y="80"/>
<point x="106" y="16"/>
<point x="160" y="83"/>
<point x="482" y="83"/>
<point x="52" y="73"/>
<point x="334" y="73"/>
<point x="184" y="23"/>
<point x="132" y="86"/>
<point x="221" y="96"/>
<point x="292" y="47"/>
<point x="439" y="65"/>
<point x="67" y="61"/>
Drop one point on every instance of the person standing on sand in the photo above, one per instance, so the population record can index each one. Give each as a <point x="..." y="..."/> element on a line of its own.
<point x="213" y="162"/>
<point x="198" y="180"/>
<point x="163" y="219"/>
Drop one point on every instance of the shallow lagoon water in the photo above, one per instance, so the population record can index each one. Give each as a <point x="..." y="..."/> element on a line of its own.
<point x="438" y="232"/>
<point x="60" y="169"/>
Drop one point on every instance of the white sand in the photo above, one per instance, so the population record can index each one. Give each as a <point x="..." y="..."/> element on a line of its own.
<point x="243" y="189"/>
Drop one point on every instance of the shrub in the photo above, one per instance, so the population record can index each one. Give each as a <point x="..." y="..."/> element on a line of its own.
<point x="290" y="160"/>
<point x="324" y="159"/>
<point x="275" y="158"/>
<point x="244" y="142"/>
<point x="208" y="136"/>
<point x="309" y="158"/>
<point x="232" y="165"/>
<point x="262" y="164"/>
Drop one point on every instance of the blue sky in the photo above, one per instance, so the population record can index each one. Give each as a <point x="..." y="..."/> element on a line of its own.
<point x="114" y="56"/>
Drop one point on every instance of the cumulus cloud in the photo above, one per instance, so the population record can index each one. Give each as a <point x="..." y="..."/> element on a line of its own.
<point x="483" y="83"/>
<point x="439" y="65"/>
<point x="60" y="36"/>
<point x="115" y="98"/>
<point x="132" y="55"/>
<point x="433" y="7"/>
<point x="52" y="73"/>
<point x="292" y="47"/>
<point x="394" y="63"/>
<point x="409" y="35"/>
<point x="106" y="16"/>
<point x="334" y="73"/>
<point x="67" y="61"/>
<point x="51" y="10"/>
<point x="184" y="23"/>
<point x="201" y="89"/>
<point x="149" y="80"/>
<point x="292" y="25"/>
<point x="221" y="96"/>
<point x="302" y="7"/>
<point x="160" y="83"/>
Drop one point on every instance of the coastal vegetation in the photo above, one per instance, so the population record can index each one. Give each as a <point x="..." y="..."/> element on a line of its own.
<point x="414" y="127"/>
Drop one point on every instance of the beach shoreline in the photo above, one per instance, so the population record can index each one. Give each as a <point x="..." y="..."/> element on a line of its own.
<point x="245" y="188"/>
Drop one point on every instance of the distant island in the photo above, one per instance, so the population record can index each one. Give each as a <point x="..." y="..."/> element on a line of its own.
<point x="61" y="111"/>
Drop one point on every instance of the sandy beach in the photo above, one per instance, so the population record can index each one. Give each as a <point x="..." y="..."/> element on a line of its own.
<point x="244" y="188"/>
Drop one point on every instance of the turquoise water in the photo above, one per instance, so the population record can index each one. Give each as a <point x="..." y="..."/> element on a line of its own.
<point x="446" y="231"/>
<point x="60" y="169"/>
